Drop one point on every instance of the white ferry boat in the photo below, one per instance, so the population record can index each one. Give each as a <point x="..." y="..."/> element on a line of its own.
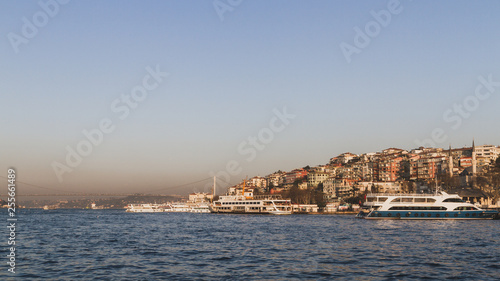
<point x="200" y="208"/>
<point x="241" y="201"/>
<point x="170" y="207"/>
<point x="421" y="206"/>
<point x="177" y="207"/>
<point x="260" y="204"/>
<point x="144" y="208"/>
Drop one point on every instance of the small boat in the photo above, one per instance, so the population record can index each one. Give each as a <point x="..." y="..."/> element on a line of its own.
<point x="421" y="206"/>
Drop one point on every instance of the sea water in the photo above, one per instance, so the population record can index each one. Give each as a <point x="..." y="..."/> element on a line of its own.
<point x="115" y="245"/>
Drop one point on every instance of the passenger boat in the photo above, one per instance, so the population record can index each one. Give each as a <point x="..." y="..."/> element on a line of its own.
<point x="202" y="208"/>
<point x="244" y="202"/>
<point x="260" y="204"/>
<point x="144" y="208"/>
<point x="169" y="207"/>
<point x="177" y="207"/>
<point x="421" y="206"/>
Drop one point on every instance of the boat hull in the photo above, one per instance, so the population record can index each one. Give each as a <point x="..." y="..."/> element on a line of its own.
<point x="280" y="212"/>
<point x="425" y="215"/>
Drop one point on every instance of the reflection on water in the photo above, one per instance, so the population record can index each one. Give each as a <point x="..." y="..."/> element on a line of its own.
<point x="109" y="244"/>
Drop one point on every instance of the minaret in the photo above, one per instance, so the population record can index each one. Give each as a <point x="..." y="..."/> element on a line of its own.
<point x="473" y="158"/>
<point x="213" y="196"/>
<point x="450" y="163"/>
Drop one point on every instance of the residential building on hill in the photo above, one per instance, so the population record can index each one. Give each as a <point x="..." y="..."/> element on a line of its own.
<point x="315" y="178"/>
<point x="294" y="175"/>
<point x="200" y="197"/>
<point x="488" y="151"/>
<point x="275" y="179"/>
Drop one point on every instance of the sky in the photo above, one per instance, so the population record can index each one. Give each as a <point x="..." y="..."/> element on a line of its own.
<point x="160" y="96"/>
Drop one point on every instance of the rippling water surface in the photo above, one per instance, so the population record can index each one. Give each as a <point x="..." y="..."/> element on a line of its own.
<point x="114" y="245"/>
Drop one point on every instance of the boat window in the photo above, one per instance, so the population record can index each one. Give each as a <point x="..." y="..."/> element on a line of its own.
<point x="382" y="199"/>
<point x="396" y="200"/>
<point x="417" y="208"/>
<point x="431" y="200"/>
<point x="419" y="200"/>
<point x="407" y="199"/>
<point x="439" y="208"/>
<point x="371" y="199"/>
<point x="457" y="200"/>
<point x="465" y="208"/>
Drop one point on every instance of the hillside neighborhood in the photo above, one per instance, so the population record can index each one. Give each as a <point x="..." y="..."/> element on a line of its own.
<point x="472" y="172"/>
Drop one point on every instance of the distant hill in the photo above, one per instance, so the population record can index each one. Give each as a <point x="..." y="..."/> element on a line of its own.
<point x="108" y="203"/>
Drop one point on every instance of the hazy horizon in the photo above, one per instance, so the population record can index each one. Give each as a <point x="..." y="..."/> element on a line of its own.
<point x="129" y="97"/>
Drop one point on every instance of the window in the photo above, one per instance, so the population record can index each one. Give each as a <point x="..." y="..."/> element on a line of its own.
<point x="418" y="208"/>
<point x="457" y="200"/>
<point x="465" y="208"/>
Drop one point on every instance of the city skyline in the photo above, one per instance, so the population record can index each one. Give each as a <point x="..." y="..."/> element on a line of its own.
<point x="144" y="96"/>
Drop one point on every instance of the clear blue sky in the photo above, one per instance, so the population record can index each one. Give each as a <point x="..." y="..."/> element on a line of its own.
<point x="225" y="79"/>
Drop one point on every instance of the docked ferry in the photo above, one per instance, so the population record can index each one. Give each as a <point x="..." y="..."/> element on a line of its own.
<point x="259" y="204"/>
<point x="169" y="207"/>
<point x="144" y="208"/>
<point x="421" y="206"/>
<point x="239" y="200"/>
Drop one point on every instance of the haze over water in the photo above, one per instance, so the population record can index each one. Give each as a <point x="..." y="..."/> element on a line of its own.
<point x="126" y="97"/>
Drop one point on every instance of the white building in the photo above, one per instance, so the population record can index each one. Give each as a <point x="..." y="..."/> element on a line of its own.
<point x="259" y="182"/>
<point x="275" y="179"/>
<point x="315" y="178"/>
<point x="200" y="197"/>
<point x="309" y="208"/>
<point x="334" y="188"/>
<point x="488" y="151"/>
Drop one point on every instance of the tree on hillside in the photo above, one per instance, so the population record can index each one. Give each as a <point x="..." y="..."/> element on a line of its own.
<point x="447" y="183"/>
<point x="319" y="198"/>
<point x="293" y="193"/>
